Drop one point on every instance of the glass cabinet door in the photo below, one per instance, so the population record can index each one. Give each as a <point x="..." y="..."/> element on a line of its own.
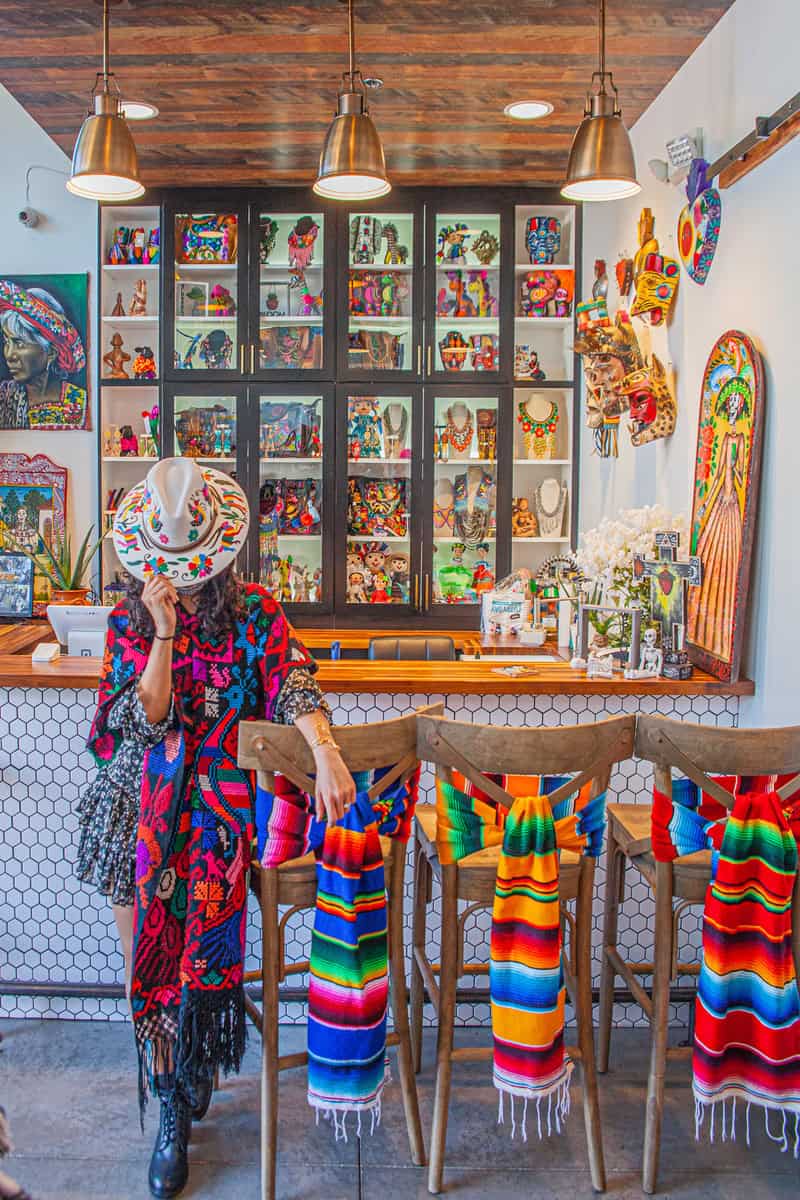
<point x="380" y="328"/>
<point x="544" y="293"/>
<point x="464" y="514"/>
<point x="291" y="284"/>
<point x="293" y="507"/>
<point x="463" y="337"/>
<point x="207" y="302"/>
<point x="380" y="566"/>
<point x="204" y="426"/>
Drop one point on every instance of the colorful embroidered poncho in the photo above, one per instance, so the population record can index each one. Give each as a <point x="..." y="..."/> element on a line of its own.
<point x="348" y="989"/>
<point x="747" y="1024"/>
<point x="196" y="829"/>
<point x="526" y="975"/>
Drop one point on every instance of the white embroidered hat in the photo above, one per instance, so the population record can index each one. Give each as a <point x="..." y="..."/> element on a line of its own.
<point x="184" y="522"/>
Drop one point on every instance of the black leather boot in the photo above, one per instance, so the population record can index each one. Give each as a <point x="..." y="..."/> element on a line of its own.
<point x="201" y="1096"/>
<point x="169" y="1168"/>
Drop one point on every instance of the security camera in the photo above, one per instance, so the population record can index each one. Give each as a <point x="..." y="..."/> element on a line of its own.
<point x="28" y="217"/>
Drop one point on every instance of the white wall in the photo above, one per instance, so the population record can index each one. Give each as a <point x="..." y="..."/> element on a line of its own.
<point x="747" y="66"/>
<point x="64" y="242"/>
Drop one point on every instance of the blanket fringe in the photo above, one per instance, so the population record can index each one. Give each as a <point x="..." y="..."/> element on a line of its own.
<point x="558" y="1106"/>
<point x="785" y="1137"/>
<point x="337" y="1114"/>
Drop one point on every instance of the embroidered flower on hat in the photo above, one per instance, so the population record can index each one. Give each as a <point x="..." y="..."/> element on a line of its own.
<point x="155" y="566"/>
<point x="200" y="566"/>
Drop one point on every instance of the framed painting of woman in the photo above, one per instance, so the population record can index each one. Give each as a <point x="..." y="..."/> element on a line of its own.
<point x="43" y="383"/>
<point x="33" y="508"/>
<point x="727" y="471"/>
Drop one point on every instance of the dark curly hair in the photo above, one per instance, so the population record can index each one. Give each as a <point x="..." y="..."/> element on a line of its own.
<point x="220" y="603"/>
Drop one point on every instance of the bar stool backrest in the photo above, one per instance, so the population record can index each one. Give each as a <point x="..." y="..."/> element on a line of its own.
<point x="476" y="751"/>
<point x="675" y="744"/>
<point x="269" y="749"/>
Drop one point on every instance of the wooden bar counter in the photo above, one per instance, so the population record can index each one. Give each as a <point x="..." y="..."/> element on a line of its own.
<point x="351" y="676"/>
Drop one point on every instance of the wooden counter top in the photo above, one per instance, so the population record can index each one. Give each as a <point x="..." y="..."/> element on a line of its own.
<point x="439" y="678"/>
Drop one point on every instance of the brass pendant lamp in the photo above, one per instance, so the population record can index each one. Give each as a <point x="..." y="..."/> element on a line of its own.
<point x="352" y="166"/>
<point x="104" y="162"/>
<point x="601" y="163"/>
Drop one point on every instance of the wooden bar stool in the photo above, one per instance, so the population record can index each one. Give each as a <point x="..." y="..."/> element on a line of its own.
<point x="267" y="749"/>
<point x="476" y="751"/>
<point x="672" y="744"/>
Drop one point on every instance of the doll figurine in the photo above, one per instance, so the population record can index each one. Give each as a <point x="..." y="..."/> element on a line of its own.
<point x="364" y="428"/>
<point x="523" y="520"/>
<point x="365" y="238"/>
<point x="144" y="365"/>
<point x="138" y="306"/>
<point x="398" y="565"/>
<point x="128" y="442"/>
<point x="356" y="591"/>
<point x="119" y="308"/>
<point x="136" y="247"/>
<point x="452" y="243"/>
<point x="116" y="358"/>
<point x="118" y="254"/>
<point x="152" y="251"/>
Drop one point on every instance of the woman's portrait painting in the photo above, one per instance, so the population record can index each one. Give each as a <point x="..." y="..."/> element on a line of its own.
<point x="43" y="378"/>
<point x="727" y="471"/>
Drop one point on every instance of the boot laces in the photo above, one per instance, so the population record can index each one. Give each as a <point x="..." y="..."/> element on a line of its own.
<point x="172" y="1127"/>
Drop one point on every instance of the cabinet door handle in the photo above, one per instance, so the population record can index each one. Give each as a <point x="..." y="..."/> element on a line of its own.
<point x="427" y="591"/>
<point x="252" y="358"/>
<point x="416" y="591"/>
<point x="429" y="360"/>
<point x="241" y="359"/>
<point x="419" y="359"/>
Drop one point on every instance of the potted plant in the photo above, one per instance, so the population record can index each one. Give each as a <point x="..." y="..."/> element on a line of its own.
<point x="65" y="574"/>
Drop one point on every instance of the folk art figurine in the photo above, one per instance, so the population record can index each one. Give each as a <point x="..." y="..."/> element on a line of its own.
<point x="267" y="239"/>
<point x="485" y="247"/>
<point x="542" y="239"/>
<point x="364" y="428"/>
<point x="116" y="358"/>
<point x="128" y="442"/>
<point x="624" y="274"/>
<point x="119" y="308"/>
<point x="451" y="244"/>
<point x="138" y="306"/>
<point x="546" y="294"/>
<point x="655" y="278"/>
<point x="600" y="285"/>
<point x="526" y="364"/>
<point x="301" y="242"/>
<point x="395" y="253"/>
<point x="523" y="519"/>
<point x="652" y="656"/>
<point x="144" y="365"/>
<point x="669" y="579"/>
<point x="651" y="403"/>
<point x="365" y="238"/>
<point x="699" y="223"/>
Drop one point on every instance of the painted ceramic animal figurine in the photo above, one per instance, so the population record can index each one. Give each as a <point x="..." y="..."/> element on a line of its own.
<point x="395" y="253"/>
<point x="652" y="405"/>
<point x="301" y="242"/>
<point x="485" y="303"/>
<point x="138" y="306"/>
<point x="311" y="305"/>
<point x="116" y="358"/>
<point x="538" y="291"/>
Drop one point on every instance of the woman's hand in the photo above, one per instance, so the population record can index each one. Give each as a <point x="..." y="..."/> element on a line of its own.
<point x="336" y="790"/>
<point x="159" y="598"/>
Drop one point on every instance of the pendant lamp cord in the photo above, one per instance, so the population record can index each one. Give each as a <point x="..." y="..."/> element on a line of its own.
<point x="351" y="39"/>
<point x="105" y="45"/>
<point x="602" y="39"/>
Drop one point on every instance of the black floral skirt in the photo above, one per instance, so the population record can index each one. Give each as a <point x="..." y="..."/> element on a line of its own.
<point x="109" y="819"/>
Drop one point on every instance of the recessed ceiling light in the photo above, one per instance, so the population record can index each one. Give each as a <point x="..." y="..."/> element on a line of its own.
<point x="528" y="110"/>
<point x="138" y="110"/>
<point x="373" y="83"/>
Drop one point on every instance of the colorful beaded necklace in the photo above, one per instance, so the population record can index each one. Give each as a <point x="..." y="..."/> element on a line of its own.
<point x="539" y="435"/>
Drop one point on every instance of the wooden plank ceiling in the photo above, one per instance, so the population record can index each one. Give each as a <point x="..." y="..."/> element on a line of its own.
<point x="245" y="91"/>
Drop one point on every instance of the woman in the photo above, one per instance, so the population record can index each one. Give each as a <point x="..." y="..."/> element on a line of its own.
<point x="168" y="825"/>
<point x="43" y="351"/>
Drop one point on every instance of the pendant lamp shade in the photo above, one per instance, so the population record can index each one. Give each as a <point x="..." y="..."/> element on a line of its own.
<point x="352" y="166"/>
<point x="104" y="162"/>
<point x="601" y="164"/>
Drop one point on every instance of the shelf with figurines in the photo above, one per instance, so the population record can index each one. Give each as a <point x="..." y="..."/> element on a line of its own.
<point x="206" y="294"/>
<point x="380" y="295"/>
<point x="291" y="290"/>
<point x="379" y="499"/>
<point x="205" y="429"/>
<point x="467" y="315"/>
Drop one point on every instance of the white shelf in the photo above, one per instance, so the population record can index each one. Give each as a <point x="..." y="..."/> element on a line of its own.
<point x="465" y="462"/>
<point x="139" y="267"/>
<point x="286" y="459"/>
<point x="376" y="537"/>
<point x="145" y="320"/>
<point x="453" y="320"/>
<point x="563" y="321"/>
<point x="378" y="462"/>
<point x="266" y="319"/>
<point x="210" y="458"/>
<point x="554" y="541"/>
<point x="542" y="462"/>
<point x="355" y="319"/>
<point x="186" y="320"/>
<point x="295" y="537"/>
<point x="526" y="267"/>
<point x="284" y="266"/>
<point x="129" y="458"/>
<point x="215" y="267"/>
<point x="376" y="266"/>
<point x="451" y="540"/>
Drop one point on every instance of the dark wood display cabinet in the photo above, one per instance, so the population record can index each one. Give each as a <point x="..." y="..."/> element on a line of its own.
<point x="389" y="383"/>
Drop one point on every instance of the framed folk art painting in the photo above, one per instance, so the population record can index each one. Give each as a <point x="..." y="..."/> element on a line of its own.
<point x="43" y="376"/>
<point x="33" y="505"/>
<point x="727" y="471"/>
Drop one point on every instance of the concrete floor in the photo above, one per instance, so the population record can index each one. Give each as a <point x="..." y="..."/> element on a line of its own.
<point x="70" y="1093"/>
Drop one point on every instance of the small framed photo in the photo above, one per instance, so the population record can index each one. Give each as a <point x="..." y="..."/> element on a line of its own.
<point x="16" y="586"/>
<point x="274" y="298"/>
<point x="191" y="298"/>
